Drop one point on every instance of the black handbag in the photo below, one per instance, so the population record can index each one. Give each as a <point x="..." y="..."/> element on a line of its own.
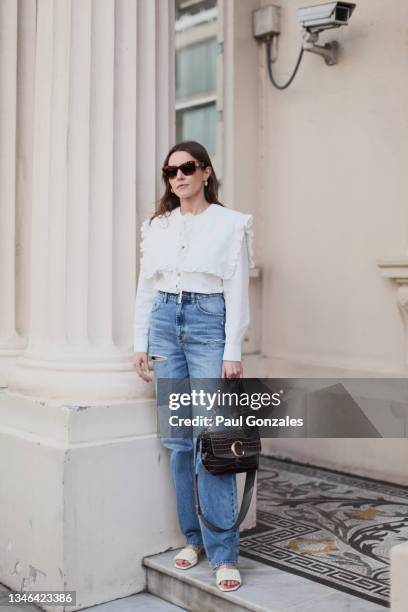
<point x="229" y="451"/>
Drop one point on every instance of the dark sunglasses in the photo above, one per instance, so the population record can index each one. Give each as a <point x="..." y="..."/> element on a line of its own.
<point x="188" y="168"/>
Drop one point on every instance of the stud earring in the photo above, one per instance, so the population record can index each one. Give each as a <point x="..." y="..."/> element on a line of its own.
<point x="206" y="183"/>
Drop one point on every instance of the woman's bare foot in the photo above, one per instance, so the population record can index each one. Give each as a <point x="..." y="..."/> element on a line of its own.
<point x="229" y="584"/>
<point x="184" y="562"/>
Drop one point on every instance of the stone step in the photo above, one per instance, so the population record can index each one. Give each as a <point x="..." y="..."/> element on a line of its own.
<point x="141" y="601"/>
<point x="264" y="589"/>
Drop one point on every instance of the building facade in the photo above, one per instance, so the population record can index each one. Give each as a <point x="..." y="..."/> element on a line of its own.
<point x="92" y="95"/>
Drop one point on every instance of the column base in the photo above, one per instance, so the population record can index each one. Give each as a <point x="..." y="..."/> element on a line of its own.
<point x="11" y="347"/>
<point x="91" y="377"/>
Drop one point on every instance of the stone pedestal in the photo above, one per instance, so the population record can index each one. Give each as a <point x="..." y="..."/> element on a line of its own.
<point x="85" y="496"/>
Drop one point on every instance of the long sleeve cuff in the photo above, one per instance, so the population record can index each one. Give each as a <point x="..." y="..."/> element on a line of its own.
<point x="145" y="294"/>
<point x="236" y="294"/>
<point x="232" y="352"/>
<point x="141" y="345"/>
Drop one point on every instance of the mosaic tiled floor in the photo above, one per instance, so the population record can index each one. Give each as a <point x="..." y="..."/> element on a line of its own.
<point x="327" y="526"/>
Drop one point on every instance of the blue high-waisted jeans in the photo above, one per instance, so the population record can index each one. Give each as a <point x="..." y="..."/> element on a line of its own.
<point x="186" y="340"/>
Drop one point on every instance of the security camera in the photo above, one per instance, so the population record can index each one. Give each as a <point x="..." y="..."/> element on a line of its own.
<point x="315" y="19"/>
<point x="325" y="16"/>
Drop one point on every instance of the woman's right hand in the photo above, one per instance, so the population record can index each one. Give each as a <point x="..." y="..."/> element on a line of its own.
<point x="141" y="365"/>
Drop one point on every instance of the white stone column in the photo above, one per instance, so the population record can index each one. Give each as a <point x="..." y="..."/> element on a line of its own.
<point x="10" y="343"/>
<point x="96" y="62"/>
<point x="75" y="409"/>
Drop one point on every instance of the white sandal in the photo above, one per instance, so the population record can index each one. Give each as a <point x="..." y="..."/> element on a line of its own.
<point x="228" y="573"/>
<point x="189" y="554"/>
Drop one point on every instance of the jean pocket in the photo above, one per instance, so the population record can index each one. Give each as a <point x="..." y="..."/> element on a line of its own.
<point x="214" y="306"/>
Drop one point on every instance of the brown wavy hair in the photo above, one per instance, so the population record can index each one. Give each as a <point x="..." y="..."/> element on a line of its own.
<point x="169" y="200"/>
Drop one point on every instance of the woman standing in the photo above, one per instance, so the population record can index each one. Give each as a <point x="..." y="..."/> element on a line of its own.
<point x="191" y="313"/>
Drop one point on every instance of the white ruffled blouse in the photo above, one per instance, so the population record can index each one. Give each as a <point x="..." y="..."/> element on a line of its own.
<point x="206" y="253"/>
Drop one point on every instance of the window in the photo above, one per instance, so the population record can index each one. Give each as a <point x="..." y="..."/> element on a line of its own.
<point x="196" y="72"/>
<point x="190" y="9"/>
<point x="196" y="68"/>
<point x="198" y="123"/>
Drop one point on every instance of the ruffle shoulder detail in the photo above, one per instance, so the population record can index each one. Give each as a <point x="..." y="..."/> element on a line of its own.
<point x="245" y="232"/>
<point x="249" y="235"/>
<point x="145" y="230"/>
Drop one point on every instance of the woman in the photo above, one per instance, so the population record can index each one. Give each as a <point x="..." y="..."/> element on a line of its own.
<point x="191" y="313"/>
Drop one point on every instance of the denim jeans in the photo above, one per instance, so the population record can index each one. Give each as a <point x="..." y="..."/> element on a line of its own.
<point x="186" y="340"/>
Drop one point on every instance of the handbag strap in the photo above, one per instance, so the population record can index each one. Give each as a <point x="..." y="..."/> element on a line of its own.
<point x="246" y="499"/>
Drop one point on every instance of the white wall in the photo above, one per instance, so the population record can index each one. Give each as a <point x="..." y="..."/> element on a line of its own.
<point x="325" y="175"/>
<point x="335" y="193"/>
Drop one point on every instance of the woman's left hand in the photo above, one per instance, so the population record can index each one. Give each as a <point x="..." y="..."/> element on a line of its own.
<point x="232" y="369"/>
